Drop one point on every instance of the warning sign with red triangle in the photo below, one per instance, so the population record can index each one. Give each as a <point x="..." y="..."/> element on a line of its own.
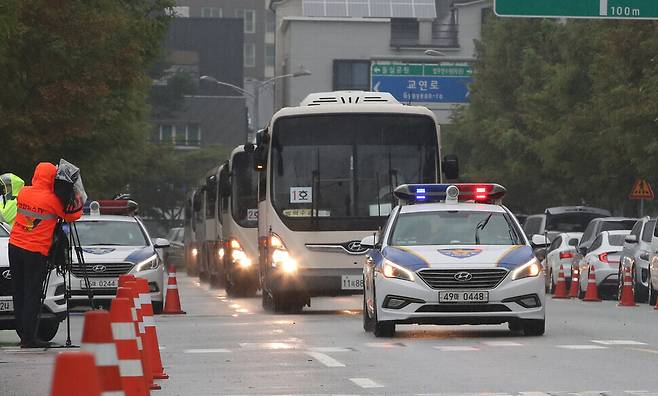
<point x="641" y="190"/>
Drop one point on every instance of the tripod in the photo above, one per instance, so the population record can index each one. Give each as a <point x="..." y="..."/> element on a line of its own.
<point x="64" y="266"/>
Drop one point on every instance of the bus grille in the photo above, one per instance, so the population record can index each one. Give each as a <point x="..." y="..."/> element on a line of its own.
<point x="481" y="278"/>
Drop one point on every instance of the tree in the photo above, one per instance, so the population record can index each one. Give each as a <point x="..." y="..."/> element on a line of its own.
<point x="74" y="84"/>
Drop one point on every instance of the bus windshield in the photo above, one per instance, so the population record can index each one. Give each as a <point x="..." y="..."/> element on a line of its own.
<point x="244" y="197"/>
<point x="338" y="171"/>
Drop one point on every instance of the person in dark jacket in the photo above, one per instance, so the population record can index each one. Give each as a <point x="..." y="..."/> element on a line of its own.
<point x="38" y="211"/>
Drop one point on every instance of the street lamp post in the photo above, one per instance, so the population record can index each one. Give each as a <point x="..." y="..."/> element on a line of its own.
<point x="255" y="96"/>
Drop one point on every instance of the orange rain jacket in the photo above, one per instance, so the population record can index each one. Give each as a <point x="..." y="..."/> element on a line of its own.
<point x="38" y="211"/>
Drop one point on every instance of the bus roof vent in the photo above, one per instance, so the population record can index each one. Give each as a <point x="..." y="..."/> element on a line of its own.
<point x="348" y="97"/>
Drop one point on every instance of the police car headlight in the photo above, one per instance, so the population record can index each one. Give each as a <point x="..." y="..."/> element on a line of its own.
<point x="149" y="263"/>
<point x="392" y="270"/>
<point x="528" y="270"/>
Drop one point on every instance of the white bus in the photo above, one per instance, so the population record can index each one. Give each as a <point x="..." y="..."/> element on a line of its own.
<point x="211" y="229"/>
<point x="238" y="206"/>
<point x="328" y="171"/>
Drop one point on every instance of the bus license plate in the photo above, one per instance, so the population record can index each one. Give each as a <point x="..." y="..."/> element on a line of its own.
<point x="6" y="305"/>
<point x="99" y="283"/>
<point x="352" y="282"/>
<point x="463" y="297"/>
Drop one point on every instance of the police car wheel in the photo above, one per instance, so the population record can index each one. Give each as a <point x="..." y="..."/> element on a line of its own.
<point x="367" y="320"/>
<point x="515" y="326"/>
<point x="48" y="329"/>
<point x="652" y="293"/>
<point x="380" y="328"/>
<point x="533" y="327"/>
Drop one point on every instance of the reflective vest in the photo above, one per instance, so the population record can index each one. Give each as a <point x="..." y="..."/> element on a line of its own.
<point x="11" y="185"/>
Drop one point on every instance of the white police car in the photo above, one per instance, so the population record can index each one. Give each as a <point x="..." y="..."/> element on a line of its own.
<point x="452" y="254"/>
<point x="113" y="244"/>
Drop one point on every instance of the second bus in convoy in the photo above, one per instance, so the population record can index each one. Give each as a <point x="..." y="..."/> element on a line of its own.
<point x="328" y="169"/>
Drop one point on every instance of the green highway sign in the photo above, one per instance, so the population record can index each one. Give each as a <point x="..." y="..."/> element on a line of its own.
<point x="605" y="9"/>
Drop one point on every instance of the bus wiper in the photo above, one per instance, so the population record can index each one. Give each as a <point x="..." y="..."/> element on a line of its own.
<point x="480" y="226"/>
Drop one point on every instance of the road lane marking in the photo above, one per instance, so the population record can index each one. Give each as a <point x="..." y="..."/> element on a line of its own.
<point x="582" y="347"/>
<point x="268" y="345"/>
<point x="644" y="350"/>
<point x="207" y="350"/>
<point x="325" y="359"/>
<point x="457" y="348"/>
<point x="366" y="383"/>
<point x="534" y="394"/>
<point x="502" y="343"/>
<point x="618" y="342"/>
<point x="385" y="344"/>
<point x="330" y="349"/>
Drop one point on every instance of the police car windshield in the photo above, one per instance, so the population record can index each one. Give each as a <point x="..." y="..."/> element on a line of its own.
<point x="121" y="233"/>
<point x="453" y="228"/>
<point x="338" y="171"/>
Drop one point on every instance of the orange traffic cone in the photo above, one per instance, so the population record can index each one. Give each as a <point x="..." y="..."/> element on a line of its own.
<point x="573" y="289"/>
<point x="627" y="296"/>
<point x="172" y="302"/>
<point x="152" y="345"/>
<point x="561" y="287"/>
<point x="75" y="375"/>
<point x="97" y="339"/>
<point x="125" y="339"/>
<point x="592" y="293"/>
<point x="146" y="359"/>
<point x="125" y="278"/>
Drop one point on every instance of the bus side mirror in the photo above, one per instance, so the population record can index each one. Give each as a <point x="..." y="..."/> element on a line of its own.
<point x="224" y="182"/>
<point x="249" y="148"/>
<point x="450" y="166"/>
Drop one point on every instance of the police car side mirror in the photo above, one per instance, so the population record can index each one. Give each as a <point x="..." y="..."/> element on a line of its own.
<point x="630" y="239"/>
<point x="538" y="241"/>
<point x="450" y="166"/>
<point x="369" y="242"/>
<point x="160" y="243"/>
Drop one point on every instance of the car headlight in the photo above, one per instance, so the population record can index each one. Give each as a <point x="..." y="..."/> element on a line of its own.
<point x="528" y="270"/>
<point x="392" y="270"/>
<point x="150" y="263"/>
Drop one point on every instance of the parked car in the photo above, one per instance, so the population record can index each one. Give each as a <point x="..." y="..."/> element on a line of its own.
<point x="635" y="256"/>
<point x="653" y="268"/>
<point x="560" y="253"/>
<point x="592" y="231"/>
<point x="175" y="254"/>
<point x="562" y="219"/>
<point x="603" y="254"/>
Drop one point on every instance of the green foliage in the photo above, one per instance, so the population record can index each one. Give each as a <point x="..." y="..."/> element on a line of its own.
<point x="74" y="85"/>
<point x="562" y="113"/>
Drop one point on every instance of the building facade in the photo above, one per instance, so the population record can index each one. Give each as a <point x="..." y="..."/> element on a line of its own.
<point x="379" y="45"/>
<point x="258" y="47"/>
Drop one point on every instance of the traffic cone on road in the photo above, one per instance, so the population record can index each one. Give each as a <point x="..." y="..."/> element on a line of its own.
<point x="561" y="287"/>
<point x="125" y="339"/>
<point x="627" y="296"/>
<point x="97" y="339"/>
<point x="573" y="289"/>
<point x="125" y="278"/>
<point x="172" y="302"/>
<point x="592" y="293"/>
<point x="146" y="359"/>
<point x="151" y="345"/>
<point x="75" y="375"/>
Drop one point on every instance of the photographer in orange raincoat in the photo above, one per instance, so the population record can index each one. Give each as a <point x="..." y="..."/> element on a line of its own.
<point x="38" y="211"/>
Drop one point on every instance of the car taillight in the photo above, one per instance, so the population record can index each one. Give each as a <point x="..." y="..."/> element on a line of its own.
<point x="566" y="255"/>
<point x="603" y="257"/>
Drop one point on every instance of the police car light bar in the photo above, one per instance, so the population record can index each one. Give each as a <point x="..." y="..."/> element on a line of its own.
<point x="467" y="192"/>
<point x="120" y="207"/>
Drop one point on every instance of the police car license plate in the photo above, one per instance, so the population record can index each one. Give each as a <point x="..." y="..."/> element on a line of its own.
<point x="463" y="297"/>
<point x="6" y="305"/>
<point x="352" y="282"/>
<point x="99" y="283"/>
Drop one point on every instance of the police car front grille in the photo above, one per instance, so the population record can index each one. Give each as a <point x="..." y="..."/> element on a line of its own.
<point x="112" y="270"/>
<point x="6" y="287"/>
<point x="445" y="279"/>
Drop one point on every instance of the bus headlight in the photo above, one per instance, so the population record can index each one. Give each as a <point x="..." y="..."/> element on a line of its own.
<point x="238" y="254"/>
<point x="281" y="257"/>
<point x="149" y="263"/>
<point x="194" y="252"/>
